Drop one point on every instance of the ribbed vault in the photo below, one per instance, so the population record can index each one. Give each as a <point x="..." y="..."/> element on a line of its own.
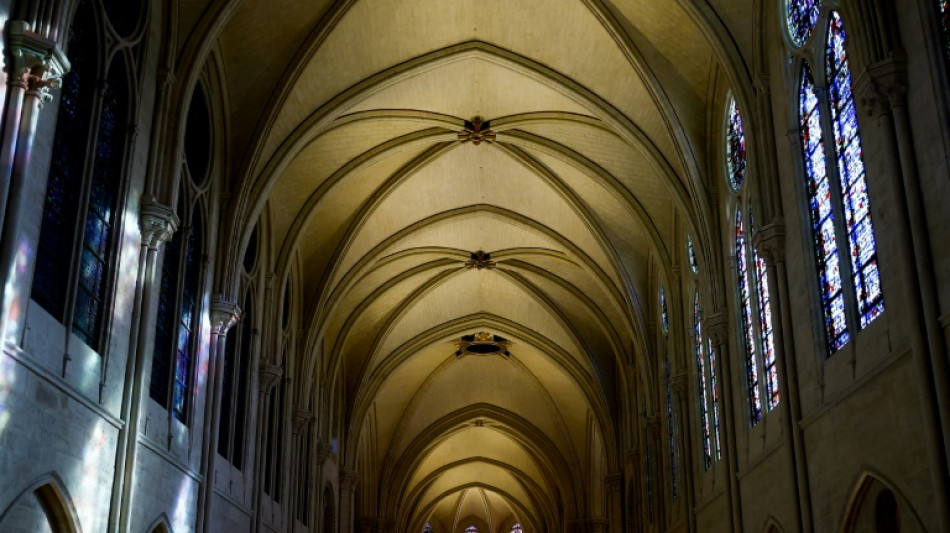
<point x="360" y="152"/>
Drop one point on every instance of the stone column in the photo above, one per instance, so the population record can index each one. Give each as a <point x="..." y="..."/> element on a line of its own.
<point x="300" y="425"/>
<point x="655" y="438"/>
<point x="717" y="327"/>
<point x="321" y="454"/>
<point x="680" y="384"/>
<point x="769" y="242"/>
<point x="268" y="376"/>
<point x="158" y="223"/>
<point x="349" y="480"/>
<point x="34" y="65"/>
<point x="224" y="314"/>
<point x="613" y="492"/>
<point x="882" y="90"/>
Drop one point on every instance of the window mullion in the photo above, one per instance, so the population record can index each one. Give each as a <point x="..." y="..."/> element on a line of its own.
<point x="179" y="286"/>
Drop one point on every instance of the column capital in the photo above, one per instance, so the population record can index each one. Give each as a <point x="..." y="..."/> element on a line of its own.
<point x="349" y="479"/>
<point x="157" y="222"/>
<point x="613" y="482"/>
<point x="269" y="375"/>
<point x="883" y="85"/>
<point x="224" y="315"/>
<point x="301" y="418"/>
<point x="323" y="450"/>
<point x="717" y="327"/>
<point x="769" y="241"/>
<point x="679" y="383"/>
<point x="32" y="61"/>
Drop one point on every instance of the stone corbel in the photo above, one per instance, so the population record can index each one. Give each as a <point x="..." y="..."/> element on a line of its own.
<point x="717" y="327"/>
<point x="301" y="418"/>
<point x="157" y="223"/>
<point x="769" y="242"/>
<point x="33" y="62"/>
<point x="269" y="375"/>
<point x="883" y="85"/>
<point x="224" y="315"/>
<point x="349" y="479"/>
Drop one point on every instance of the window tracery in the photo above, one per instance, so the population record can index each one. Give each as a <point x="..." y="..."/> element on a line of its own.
<point x="801" y="16"/>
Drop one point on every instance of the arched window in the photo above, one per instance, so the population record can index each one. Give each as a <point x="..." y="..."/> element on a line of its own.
<point x="801" y="16"/>
<point x="427" y="528"/>
<point x="84" y="187"/>
<point x="516" y="528"/>
<point x="237" y="369"/>
<point x="178" y="322"/>
<point x="667" y="369"/>
<point x="840" y="210"/>
<point x="701" y="375"/>
<point x="471" y="529"/>
<point x="754" y="302"/>
<point x="943" y="7"/>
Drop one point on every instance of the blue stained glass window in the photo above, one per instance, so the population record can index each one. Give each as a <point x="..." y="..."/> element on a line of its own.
<point x="944" y="7"/>
<point x="735" y="147"/>
<point x="822" y="217"/>
<point x="864" y="271"/>
<point x="188" y="321"/>
<point x="714" y="385"/>
<point x="165" y="321"/>
<point x="766" y="338"/>
<point x="747" y="320"/>
<point x="691" y="255"/>
<point x="701" y="376"/>
<point x="801" y="17"/>
<point x="64" y="183"/>
<point x="95" y="258"/>
<point x="664" y="311"/>
<point x="671" y="432"/>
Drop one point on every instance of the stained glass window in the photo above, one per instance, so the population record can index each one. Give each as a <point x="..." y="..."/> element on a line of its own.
<point x="822" y="216"/>
<point x="165" y="321"/>
<point x="95" y="257"/>
<point x="516" y="528"/>
<point x="854" y="193"/>
<point x="766" y="342"/>
<point x="735" y="147"/>
<point x="747" y="321"/>
<point x="188" y="321"/>
<point x="691" y="255"/>
<point x="65" y="179"/>
<point x="671" y="432"/>
<point x="701" y="376"/>
<point x="944" y="7"/>
<point x="664" y="311"/>
<point x="471" y="529"/>
<point x="714" y="385"/>
<point x="801" y="17"/>
<point x="427" y="528"/>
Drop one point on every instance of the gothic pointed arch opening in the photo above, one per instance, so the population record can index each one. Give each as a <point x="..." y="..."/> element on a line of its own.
<point x="161" y="525"/>
<point x="879" y="507"/>
<point x="329" y="510"/>
<point x="44" y="507"/>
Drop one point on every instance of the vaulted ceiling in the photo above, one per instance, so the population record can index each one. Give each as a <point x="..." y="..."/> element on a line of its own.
<point x="344" y="125"/>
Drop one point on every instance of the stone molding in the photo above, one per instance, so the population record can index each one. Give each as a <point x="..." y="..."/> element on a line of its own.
<point x="769" y="242"/>
<point x="33" y="62"/>
<point x="679" y="383"/>
<point x="717" y="327"/>
<point x="300" y="420"/>
<point x="613" y="482"/>
<point x="883" y="85"/>
<point x="323" y="450"/>
<point x="269" y="375"/>
<point x="157" y="223"/>
<point x="349" y="479"/>
<point x="224" y="315"/>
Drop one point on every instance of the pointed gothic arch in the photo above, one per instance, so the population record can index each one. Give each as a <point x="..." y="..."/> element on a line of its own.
<point x="877" y="505"/>
<point x="50" y="495"/>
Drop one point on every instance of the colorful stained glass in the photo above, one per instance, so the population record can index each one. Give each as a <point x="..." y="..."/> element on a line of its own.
<point x="165" y="321"/>
<point x="747" y="320"/>
<point x="822" y="217"/>
<point x="766" y="337"/>
<point x="65" y="179"/>
<point x="670" y="426"/>
<point x="96" y="257"/>
<point x="735" y="147"/>
<point x="701" y="376"/>
<point x="188" y="322"/>
<point x="714" y="385"/>
<point x="944" y="6"/>
<point x="691" y="255"/>
<point x="857" y="204"/>
<point x="664" y="311"/>
<point x="801" y="17"/>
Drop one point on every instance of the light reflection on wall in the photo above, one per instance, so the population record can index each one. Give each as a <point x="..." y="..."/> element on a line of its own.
<point x="7" y="378"/>
<point x="181" y="518"/>
<point x="128" y="261"/>
<point x="94" y="469"/>
<point x="15" y="311"/>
